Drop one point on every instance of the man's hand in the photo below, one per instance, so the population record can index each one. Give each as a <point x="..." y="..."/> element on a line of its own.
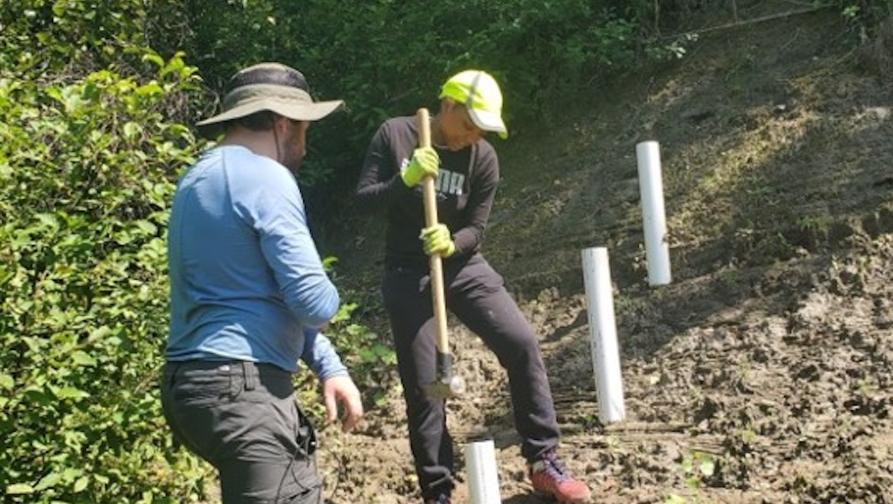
<point x="437" y="240"/>
<point x="341" y="389"/>
<point x="424" y="163"/>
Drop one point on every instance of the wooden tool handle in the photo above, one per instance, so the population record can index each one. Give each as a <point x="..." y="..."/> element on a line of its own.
<point x="435" y="263"/>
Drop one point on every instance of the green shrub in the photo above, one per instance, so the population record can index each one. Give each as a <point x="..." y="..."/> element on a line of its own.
<point x="371" y="361"/>
<point x="866" y="14"/>
<point x="93" y="133"/>
<point x="67" y="39"/>
<point x="387" y="58"/>
<point x="86" y="179"/>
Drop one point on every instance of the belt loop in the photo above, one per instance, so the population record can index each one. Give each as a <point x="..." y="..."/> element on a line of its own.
<point x="248" y="372"/>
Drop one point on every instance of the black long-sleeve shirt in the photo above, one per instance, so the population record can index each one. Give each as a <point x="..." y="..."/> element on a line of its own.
<point x="466" y="186"/>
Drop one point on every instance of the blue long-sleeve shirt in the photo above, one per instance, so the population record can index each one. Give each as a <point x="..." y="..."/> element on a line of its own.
<point x="246" y="279"/>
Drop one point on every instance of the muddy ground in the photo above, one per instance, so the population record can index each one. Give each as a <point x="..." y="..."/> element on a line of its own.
<point x="763" y="373"/>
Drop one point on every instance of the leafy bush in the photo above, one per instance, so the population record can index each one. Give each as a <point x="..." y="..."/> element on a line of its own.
<point x="92" y="137"/>
<point x="387" y="58"/>
<point x="370" y="361"/>
<point x="867" y="14"/>
<point x="71" y="38"/>
<point x="86" y="171"/>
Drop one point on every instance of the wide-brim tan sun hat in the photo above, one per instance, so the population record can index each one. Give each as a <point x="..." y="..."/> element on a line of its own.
<point x="268" y="86"/>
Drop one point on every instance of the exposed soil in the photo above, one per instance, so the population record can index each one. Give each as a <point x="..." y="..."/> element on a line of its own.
<point x="763" y="373"/>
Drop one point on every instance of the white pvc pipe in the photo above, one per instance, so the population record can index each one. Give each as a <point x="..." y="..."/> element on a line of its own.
<point x="483" y="478"/>
<point x="603" y="334"/>
<point x="651" y="187"/>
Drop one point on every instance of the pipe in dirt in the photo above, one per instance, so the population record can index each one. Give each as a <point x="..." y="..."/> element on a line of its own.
<point x="651" y="187"/>
<point x="603" y="334"/>
<point x="483" y="478"/>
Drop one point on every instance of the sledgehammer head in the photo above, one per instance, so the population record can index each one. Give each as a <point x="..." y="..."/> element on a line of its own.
<point x="446" y="385"/>
<point x="445" y="388"/>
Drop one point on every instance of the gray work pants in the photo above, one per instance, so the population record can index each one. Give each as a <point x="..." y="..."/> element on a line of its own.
<point x="474" y="293"/>
<point x="242" y="418"/>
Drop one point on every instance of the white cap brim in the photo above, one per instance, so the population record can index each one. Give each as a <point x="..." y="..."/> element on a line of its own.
<point x="488" y="121"/>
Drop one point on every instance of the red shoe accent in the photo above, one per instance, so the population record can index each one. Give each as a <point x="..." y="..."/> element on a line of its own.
<point x="550" y="476"/>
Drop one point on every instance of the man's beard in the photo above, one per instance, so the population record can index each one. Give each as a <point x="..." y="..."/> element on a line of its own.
<point x="294" y="156"/>
<point x="294" y="165"/>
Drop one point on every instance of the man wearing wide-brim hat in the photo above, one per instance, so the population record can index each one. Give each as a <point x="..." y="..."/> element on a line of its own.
<point x="249" y="296"/>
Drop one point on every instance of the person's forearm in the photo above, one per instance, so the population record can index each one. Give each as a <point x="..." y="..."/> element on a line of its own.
<point x="320" y="355"/>
<point x="471" y="234"/>
<point x="374" y="194"/>
<point x="380" y="181"/>
<point x="467" y="239"/>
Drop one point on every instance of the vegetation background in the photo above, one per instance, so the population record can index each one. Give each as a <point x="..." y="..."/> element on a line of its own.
<point x="97" y="102"/>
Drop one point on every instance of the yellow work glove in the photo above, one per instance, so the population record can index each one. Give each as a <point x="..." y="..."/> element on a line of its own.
<point x="424" y="163"/>
<point x="437" y="240"/>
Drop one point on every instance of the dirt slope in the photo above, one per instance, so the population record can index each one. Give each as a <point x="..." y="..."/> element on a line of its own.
<point x="763" y="373"/>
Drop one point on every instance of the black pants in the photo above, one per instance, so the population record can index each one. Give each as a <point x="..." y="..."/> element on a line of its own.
<point x="243" y="419"/>
<point x="476" y="295"/>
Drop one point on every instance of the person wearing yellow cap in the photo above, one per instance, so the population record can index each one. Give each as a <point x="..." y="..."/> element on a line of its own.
<point x="466" y="170"/>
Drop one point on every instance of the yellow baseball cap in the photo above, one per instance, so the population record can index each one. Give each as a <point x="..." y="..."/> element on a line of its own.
<point x="480" y="94"/>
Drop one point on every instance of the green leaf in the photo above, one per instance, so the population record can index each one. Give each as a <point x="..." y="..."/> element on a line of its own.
<point x="71" y="393"/>
<point x="48" y="481"/>
<point x="147" y="227"/>
<point x="707" y="466"/>
<point x="81" y="484"/>
<point x="6" y="381"/>
<point x="132" y="130"/>
<point x="72" y="99"/>
<point x="19" y="489"/>
<point x="82" y="358"/>
<point x="329" y="262"/>
<point x="71" y="473"/>
<point x="48" y="220"/>
<point x="381" y="399"/>
<point x="152" y="88"/>
<point x="38" y="396"/>
<point x="687" y="464"/>
<point x="99" y="333"/>
<point x="154" y="58"/>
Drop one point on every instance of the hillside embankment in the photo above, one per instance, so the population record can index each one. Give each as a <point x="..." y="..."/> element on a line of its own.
<point x="763" y="373"/>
